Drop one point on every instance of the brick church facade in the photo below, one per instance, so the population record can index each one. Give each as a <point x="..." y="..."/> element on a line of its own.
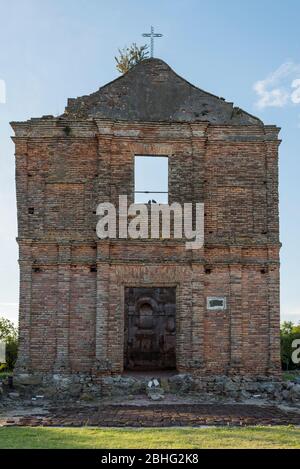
<point x="101" y="307"/>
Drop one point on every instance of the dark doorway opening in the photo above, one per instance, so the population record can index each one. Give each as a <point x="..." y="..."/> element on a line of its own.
<point x="150" y="328"/>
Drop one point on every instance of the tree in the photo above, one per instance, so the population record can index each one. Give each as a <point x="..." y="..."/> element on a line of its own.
<point x="9" y="335"/>
<point x="287" y="327"/>
<point x="8" y="331"/>
<point x="131" y="56"/>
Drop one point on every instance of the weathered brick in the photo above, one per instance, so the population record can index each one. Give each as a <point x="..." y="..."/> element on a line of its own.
<point x="72" y="284"/>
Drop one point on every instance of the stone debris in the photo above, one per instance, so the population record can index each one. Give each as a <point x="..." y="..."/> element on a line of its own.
<point x="156" y="394"/>
<point x="154" y="391"/>
<point x="294" y="393"/>
<point x="13" y="395"/>
<point x="85" y="388"/>
<point x="153" y="383"/>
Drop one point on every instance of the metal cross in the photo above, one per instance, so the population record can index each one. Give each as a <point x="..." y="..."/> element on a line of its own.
<point x="152" y="35"/>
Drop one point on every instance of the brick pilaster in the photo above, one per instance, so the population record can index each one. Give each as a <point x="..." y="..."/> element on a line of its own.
<point x="236" y="323"/>
<point x="23" y="362"/>
<point x="198" y="311"/>
<point x="63" y="310"/>
<point x="274" y="320"/>
<point x="102" y="309"/>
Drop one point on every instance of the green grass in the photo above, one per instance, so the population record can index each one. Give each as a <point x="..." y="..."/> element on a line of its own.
<point x="197" y="438"/>
<point x="5" y="374"/>
<point x="290" y="375"/>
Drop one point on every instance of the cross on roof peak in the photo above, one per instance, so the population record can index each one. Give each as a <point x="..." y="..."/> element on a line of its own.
<point x="152" y="35"/>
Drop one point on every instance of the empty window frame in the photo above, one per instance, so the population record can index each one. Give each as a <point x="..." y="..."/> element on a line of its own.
<point x="151" y="179"/>
<point x="216" y="303"/>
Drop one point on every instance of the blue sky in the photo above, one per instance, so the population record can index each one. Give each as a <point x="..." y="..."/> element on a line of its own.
<point x="247" y="51"/>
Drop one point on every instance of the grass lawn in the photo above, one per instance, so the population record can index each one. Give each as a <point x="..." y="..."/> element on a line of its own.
<point x="110" y="438"/>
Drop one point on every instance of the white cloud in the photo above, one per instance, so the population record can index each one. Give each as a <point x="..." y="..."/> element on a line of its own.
<point x="279" y="88"/>
<point x="295" y="96"/>
<point x="2" y="92"/>
<point x="276" y="97"/>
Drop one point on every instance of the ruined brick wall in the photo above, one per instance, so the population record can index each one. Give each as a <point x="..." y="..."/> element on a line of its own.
<point x="72" y="284"/>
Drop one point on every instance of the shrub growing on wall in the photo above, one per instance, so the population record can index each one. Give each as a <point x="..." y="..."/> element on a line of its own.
<point x="131" y="56"/>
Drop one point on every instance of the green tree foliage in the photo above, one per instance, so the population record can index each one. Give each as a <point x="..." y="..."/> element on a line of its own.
<point x="9" y="335"/>
<point x="131" y="56"/>
<point x="288" y="333"/>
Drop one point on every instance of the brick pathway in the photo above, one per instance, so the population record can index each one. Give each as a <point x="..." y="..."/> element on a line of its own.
<point x="160" y="416"/>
